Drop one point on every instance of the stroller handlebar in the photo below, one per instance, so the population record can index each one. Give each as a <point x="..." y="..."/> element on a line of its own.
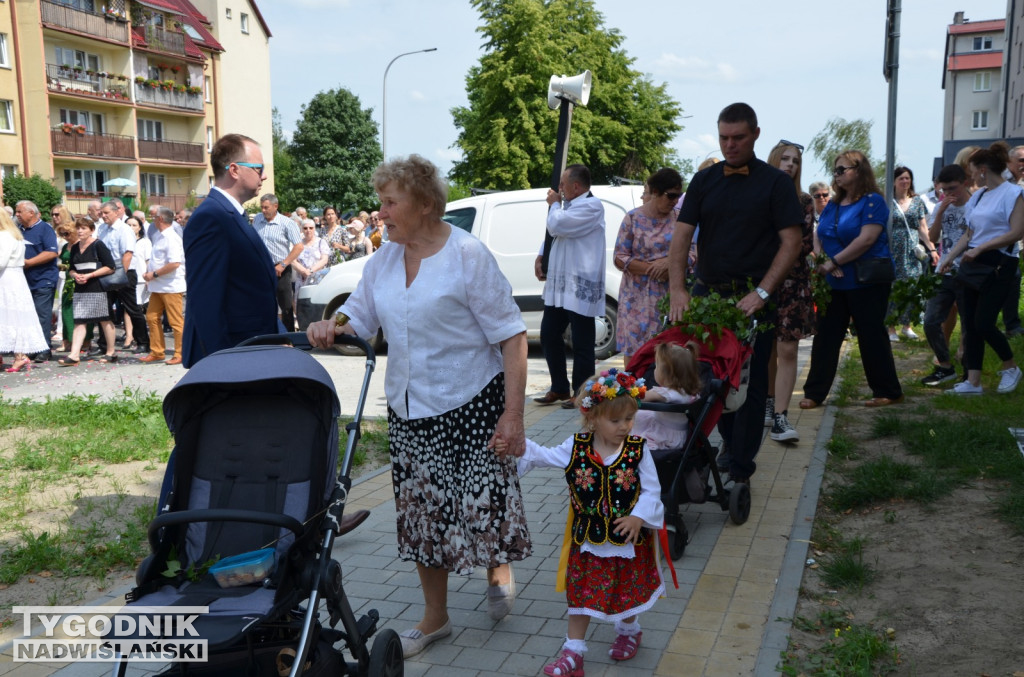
<point x="298" y="339"/>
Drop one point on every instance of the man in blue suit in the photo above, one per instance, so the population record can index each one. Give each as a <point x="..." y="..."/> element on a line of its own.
<point x="231" y="279"/>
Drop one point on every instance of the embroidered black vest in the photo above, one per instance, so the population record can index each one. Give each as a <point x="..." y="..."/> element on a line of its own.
<point x="601" y="494"/>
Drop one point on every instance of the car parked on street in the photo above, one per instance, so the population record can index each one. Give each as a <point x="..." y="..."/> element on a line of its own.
<point x="512" y="226"/>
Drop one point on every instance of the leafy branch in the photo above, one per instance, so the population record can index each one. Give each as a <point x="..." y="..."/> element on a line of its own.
<point x="909" y="297"/>
<point x="821" y="291"/>
<point x="708" y="315"/>
<point x="192" y="572"/>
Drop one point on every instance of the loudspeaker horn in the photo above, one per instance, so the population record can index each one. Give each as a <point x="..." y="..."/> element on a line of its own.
<point x="575" y="89"/>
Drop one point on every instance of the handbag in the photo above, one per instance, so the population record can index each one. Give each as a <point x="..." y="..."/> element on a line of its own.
<point x="875" y="270"/>
<point x="116" y="280"/>
<point x="870" y="270"/>
<point x="973" y="275"/>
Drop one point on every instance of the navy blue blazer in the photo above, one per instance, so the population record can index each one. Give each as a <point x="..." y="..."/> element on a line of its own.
<point x="231" y="281"/>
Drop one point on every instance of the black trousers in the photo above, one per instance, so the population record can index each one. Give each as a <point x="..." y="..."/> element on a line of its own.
<point x="936" y="312"/>
<point x="981" y="308"/>
<point x="1011" y="307"/>
<point x="866" y="307"/>
<point x="285" y="294"/>
<point x="552" y="327"/>
<point x="126" y="300"/>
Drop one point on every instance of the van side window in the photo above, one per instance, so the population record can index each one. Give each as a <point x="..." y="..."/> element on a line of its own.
<point x="462" y="218"/>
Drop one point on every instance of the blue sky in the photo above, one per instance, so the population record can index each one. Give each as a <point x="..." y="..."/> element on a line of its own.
<point x="798" y="63"/>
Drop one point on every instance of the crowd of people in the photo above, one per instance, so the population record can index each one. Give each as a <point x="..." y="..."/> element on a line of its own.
<point x="111" y="267"/>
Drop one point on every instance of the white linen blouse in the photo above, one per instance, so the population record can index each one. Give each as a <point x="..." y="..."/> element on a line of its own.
<point x="648" y="507"/>
<point x="12" y="251"/>
<point x="576" y="262"/>
<point x="988" y="214"/>
<point x="443" y="330"/>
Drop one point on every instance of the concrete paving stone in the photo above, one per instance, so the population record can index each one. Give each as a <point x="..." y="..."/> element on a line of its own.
<point x="729" y="665"/>
<point x="386" y="609"/>
<point x="724" y="566"/>
<point x="445" y="670"/>
<point x="544" y="645"/>
<point x="521" y="663"/>
<point x="480" y="659"/>
<point x="441" y="652"/>
<point x="402" y="595"/>
<point x="462" y="600"/>
<point x="676" y="665"/>
<point x="369" y="561"/>
<point x="743" y="625"/>
<point x="692" y="642"/>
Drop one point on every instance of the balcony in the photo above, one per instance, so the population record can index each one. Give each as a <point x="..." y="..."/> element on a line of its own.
<point x="174" y="202"/>
<point x="76" y="80"/>
<point x="174" y="151"/>
<point x="166" y="97"/>
<point x="163" y="40"/>
<point x="110" y="25"/>
<point x="74" y="140"/>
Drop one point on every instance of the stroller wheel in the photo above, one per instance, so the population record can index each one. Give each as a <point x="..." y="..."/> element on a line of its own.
<point x="386" y="659"/>
<point x="678" y="537"/>
<point x="739" y="503"/>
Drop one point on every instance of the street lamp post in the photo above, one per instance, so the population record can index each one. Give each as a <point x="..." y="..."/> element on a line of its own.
<point x="384" y="108"/>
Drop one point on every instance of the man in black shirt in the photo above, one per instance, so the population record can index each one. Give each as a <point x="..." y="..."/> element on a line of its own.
<point x="750" y="235"/>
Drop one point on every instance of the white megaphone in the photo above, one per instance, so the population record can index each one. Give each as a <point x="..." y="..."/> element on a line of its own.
<point x="576" y="89"/>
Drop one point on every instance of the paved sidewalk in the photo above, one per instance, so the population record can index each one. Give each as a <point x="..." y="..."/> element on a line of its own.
<point x="735" y="582"/>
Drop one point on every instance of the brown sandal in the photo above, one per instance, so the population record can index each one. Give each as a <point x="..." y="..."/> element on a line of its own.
<point x="67" y="362"/>
<point x="809" y="404"/>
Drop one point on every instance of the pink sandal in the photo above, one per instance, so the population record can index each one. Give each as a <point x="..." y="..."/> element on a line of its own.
<point x="568" y="664"/>
<point x="625" y="647"/>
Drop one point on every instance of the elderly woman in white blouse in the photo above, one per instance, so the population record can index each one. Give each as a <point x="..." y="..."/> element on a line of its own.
<point x="455" y="382"/>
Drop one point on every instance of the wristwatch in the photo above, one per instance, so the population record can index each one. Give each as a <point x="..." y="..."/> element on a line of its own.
<point x="762" y="293"/>
<point x="155" y="274"/>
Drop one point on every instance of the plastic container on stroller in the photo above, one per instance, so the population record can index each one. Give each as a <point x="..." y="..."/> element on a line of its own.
<point x="253" y="476"/>
<point x="725" y="367"/>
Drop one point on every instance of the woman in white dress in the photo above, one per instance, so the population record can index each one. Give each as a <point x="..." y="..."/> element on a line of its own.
<point x="19" y="329"/>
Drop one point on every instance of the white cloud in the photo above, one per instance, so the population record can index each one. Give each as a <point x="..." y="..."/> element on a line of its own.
<point x="698" y="147"/>
<point x="417" y="95"/>
<point x="695" y="69"/>
<point x="928" y="54"/>
<point x="448" y="154"/>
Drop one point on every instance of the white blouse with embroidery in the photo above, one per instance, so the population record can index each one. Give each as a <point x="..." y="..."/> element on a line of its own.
<point x="576" y="262"/>
<point x="443" y="330"/>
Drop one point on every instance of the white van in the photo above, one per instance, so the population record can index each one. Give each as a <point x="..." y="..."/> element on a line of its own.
<point x="512" y="226"/>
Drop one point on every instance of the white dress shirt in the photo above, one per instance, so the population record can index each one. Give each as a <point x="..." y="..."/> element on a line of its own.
<point x="575" y="279"/>
<point x="443" y="330"/>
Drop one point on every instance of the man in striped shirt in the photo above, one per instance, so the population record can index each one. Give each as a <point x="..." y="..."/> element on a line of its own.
<point x="281" y="236"/>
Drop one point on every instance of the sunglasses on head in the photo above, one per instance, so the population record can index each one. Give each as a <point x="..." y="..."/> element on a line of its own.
<point x="783" y="142"/>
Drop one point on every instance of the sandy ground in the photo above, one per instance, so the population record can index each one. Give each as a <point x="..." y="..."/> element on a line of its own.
<point x="948" y="575"/>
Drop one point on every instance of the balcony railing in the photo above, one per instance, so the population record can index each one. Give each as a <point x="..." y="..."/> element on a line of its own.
<point x="61" y="78"/>
<point x="175" y="151"/>
<point x="74" y="140"/>
<point x="163" y="40"/>
<point x="172" y="98"/>
<point x="173" y="202"/>
<point x="110" y="25"/>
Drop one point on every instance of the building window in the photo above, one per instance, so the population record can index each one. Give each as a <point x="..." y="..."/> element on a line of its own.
<point x="8" y="170"/>
<point x="84" y="180"/>
<point x="979" y="120"/>
<point x="207" y="84"/>
<point x="227" y="13"/>
<point x="154" y="184"/>
<point x="983" y="81"/>
<point x="6" y="116"/>
<point x="150" y="130"/>
<point x="209" y="139"/>
<point x="982" y="43"/>
<point x="93" y="122"/>
<point x="3" y="51"/>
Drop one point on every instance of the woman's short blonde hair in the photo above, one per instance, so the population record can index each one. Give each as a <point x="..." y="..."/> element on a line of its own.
<point x="7" y="225"/>
<point x="416" y="176"/>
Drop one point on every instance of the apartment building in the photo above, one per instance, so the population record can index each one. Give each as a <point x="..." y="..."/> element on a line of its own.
<point x="116" y="97"/>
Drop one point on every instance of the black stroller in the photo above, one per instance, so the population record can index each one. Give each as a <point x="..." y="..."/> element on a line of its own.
<point x="252" y="475"/>
<point x="685" y="473"/>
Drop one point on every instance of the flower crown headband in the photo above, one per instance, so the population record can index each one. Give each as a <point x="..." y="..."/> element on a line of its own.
<point x="609" y="385"/>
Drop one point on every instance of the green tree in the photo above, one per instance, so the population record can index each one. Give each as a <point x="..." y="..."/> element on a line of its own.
<point x="334" y="151"/>
<point x="284" y="165"/>
<point x="507" y="133"/>
<point x="42" y="192"/>
<point x="840" y="135"/>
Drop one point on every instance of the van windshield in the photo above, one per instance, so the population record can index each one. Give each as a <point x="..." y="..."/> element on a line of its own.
<point x="462" y="218"/>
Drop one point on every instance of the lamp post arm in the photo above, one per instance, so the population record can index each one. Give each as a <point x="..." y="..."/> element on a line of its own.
<point x="384" y="100"/>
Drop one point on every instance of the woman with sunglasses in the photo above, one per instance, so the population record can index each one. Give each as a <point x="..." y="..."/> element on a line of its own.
<point x="795" y="306"/>
<point x="852" y="230"/>
<point x="641" y="253"/>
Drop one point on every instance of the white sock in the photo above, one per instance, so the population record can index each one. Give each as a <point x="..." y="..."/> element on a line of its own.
<point x="627" y="629"/>
<point x="576" y="645"/>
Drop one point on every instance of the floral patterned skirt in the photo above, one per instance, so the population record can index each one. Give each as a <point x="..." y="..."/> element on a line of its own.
<point x="795" y="302"/>
<point x="459" y="506"/>
<point x="613" y="588"/>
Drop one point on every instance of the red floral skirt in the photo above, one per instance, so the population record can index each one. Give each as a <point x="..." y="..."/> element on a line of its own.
<point x="612" y="588"/>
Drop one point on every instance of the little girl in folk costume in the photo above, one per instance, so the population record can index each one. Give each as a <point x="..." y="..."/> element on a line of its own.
<point x="612" y="571"/>
<point x="678" y="377"/>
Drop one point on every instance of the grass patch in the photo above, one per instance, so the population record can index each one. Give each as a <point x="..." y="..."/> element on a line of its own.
<point x="881" y="480"/>
<point x="846" y="568"/>
<point x="841" y="446"/>
<point x="851" y="650"/>
<point x="373" y="446"/>
<point x="850" y="374"/>
<point x="886" y="425"/>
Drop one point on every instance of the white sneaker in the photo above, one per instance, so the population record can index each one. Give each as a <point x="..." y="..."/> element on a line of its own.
<point x="909" y="334"/>
<point x="965" y="388"/>
<point x="895" y="338"/>
<point x="1009" y="379"/>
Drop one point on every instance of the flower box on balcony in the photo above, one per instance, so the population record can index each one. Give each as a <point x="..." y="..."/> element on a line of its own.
<point x="195" y="90"/>
<point x="139" y="80"/>
<point x="66" y="127"/>
<point x="80" y="129"/>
